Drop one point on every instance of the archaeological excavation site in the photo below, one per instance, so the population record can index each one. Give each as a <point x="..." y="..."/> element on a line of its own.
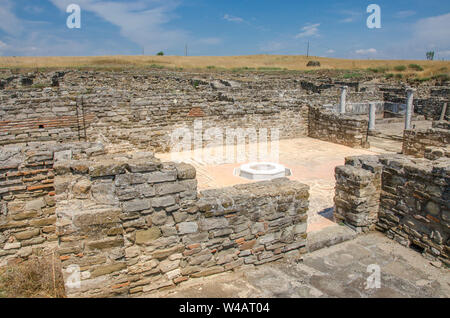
<point x="181" y="183"/>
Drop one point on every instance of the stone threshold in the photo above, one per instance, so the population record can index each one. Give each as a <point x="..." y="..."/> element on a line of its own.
<point x="329" y="236"/>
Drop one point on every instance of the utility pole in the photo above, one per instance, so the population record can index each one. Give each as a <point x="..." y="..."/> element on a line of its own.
<point x="307" y="50"/>
<point x="186" y="50"/>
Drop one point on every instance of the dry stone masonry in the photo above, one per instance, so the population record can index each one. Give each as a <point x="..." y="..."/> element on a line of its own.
<point x="337" y="128"/>
<point x="142" y="108"/>
<point x="358" y="186"/>
<point x="134" y="225"/>
<point x="27" y="193"/>
<point x="416" y="141"/>
<point x="428" y="101"/>
<point x="78" y="177"/>
<point x="407" y="198"/>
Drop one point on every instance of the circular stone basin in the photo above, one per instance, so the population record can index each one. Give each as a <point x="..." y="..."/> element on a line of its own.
<point x="262" y="171"/>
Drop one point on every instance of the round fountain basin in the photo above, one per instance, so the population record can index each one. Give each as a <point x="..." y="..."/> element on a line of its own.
<point x="263" y="171"/>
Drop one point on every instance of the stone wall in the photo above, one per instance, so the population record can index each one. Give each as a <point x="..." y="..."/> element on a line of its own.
<point x="431" y="107"/>
<point x="428" y="101"/>
<point x="143" y="108"/>
<point x="357" y="193"/>
<point x="148" y="122"/>
<point x="133" y="225"/>
<point x="27" y="116"/>
<point x="329" y="85"/>
<point x="442" y="124"/>
<point x="314" y="87"/>
<point x="357" y="108"/>
<point x="416" y="141"/>
<point x="413" y="204"/>
<point x="27" y="202"/>
<point x="336" y="128"/>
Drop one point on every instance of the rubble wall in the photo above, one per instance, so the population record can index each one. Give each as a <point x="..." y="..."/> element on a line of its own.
<point x="357" y="193"/>
<point x="411" y="204"/>
<point x="133" y="225"/>
<point x="337" y="128"/>
<point x="428" y="102"/>
<point x="38" y="117"/>
<point x="416" y="141"/>
<point x="143" y="110"/>
<point x="27" y="197"/>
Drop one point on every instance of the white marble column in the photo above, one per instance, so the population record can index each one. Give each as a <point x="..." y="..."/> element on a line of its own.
<point x="409" y="107"/>
<point x="343" y="99"/>
<point x="372" y="114"/>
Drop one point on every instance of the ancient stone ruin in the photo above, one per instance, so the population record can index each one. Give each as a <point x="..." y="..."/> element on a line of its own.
<point x="81" y="172"/>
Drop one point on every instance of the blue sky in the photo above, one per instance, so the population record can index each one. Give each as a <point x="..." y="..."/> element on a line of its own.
<point x="226" y="27"/>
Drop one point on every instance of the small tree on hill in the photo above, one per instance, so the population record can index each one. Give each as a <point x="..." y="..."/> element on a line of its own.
<point x="160" y="53"/>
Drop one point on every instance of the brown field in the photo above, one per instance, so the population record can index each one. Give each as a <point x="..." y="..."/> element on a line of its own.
<point x="256" y="62"/>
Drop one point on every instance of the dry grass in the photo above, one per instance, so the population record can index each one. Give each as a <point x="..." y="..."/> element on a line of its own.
<point x="38" y="277"/>
<point x="261" y="62"/>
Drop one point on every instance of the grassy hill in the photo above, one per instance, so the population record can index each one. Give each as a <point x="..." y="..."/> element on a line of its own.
<point x="420" y="68"/>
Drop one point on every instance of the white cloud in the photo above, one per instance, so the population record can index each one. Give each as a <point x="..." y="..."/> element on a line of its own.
<point x="347" y="20"/>
<point x="39" y="43"/>
<point x="9" y="23"/>
<point x="144" y="23"/>
<point x="433" y="32"/>
<point x="231" y="18"/>
<point x="351" y="16"/>
<point x="405" y="14"/>
<point x="366" y="51"/>
<point x="39" y="40"/>
<point x="426" y="34"/>
<point x="331" y="51"/>
<point x="308" y="31"/>
<point x="239" y="20"/>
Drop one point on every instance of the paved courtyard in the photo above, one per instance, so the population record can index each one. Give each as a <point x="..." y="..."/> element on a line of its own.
<point x="388" y="136"/>
<point x="311" y="161"/>
<point x="337" y="271"/>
